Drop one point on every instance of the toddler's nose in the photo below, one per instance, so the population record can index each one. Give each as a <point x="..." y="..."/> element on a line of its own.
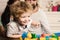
<point x="27" y="20"/>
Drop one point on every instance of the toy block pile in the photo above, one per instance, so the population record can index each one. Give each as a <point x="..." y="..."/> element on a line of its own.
<point x="33" y="36"/>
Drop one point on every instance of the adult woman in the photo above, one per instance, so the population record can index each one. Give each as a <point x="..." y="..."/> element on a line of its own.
<point x="39" y="16"/>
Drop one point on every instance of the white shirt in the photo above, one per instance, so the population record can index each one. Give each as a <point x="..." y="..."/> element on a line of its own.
<point x="15" y="28"/>
<point x="40" y="16"/>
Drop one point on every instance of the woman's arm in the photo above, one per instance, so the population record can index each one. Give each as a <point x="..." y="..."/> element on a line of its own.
<point x="45" y="24"/>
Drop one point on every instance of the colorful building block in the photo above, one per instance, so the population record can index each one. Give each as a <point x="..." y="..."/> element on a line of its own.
<point x="21" y="38"/>
<point x="44" y="35"/>
<point x="34" y="35"/>
<point x="52" y="39"/>
<point x="59" y="38"/>
<point x="42" y="38"/>
<point x="29" y="35"/>
<point x="47" y="37"/>
<point x="24" y="35"/>
<point x="58" y="33"/>
<point x="27" y="39"/>
<point x="38" y="36"/>
<point x="54" y="36"/>
<point x="34" y="39"/>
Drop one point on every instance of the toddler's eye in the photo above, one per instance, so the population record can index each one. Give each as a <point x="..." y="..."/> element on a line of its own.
<point x="23" y="17"/>
<point x="28" y="16"/>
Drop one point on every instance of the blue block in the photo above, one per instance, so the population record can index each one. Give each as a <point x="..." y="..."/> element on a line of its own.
<point x="57" y="34"/>
<point x="38" y="36"/>
<point x="24" y="35"/>
<point x="47" y="37"/>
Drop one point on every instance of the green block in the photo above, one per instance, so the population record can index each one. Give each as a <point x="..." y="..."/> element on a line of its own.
<point x="34" y="35"/>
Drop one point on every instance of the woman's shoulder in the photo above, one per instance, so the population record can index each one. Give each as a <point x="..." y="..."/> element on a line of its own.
<point x="41" y="10"/>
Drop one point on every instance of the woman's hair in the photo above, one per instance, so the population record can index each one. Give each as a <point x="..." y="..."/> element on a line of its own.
<point x="33" y="5"/>
<point x="18" y="8"/>
<point x="5" y="17"/>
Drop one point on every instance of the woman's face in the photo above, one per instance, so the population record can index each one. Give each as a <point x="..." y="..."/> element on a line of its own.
<point x="32" y="1"/>
<point x="24" y="19"/>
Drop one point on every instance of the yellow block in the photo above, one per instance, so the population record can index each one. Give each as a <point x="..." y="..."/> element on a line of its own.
<point x="42" y="38"/>
<point x="29" y="35"/>
<point x="27" y="39"/>
<point x="34" y="39"/>
<point x="59" y="37"/>
<point x="52" y="39"/>
<point x="21" y="38"/>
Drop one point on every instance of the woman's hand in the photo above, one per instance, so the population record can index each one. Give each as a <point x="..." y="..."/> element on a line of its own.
<point x="35" y="24"/>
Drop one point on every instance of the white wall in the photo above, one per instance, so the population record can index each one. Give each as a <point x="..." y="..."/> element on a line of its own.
<point x="54" y="20"/>
<point x="45" y="3"/>
<point x="3" y="4"/>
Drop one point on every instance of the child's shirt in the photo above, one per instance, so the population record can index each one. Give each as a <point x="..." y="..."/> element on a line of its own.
<point x="14" y="28"/>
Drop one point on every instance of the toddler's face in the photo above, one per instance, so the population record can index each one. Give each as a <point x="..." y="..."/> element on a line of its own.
<point x="24" y="18"/>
